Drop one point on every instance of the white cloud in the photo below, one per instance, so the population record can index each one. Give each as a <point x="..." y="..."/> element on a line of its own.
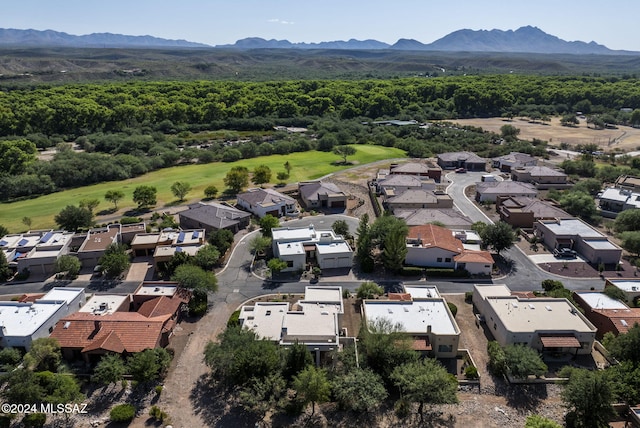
<point x="279" y="21"/>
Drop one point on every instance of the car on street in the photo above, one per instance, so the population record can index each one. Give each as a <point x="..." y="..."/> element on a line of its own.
<point x="460" y="171"/>
<point x="565" y="253"/>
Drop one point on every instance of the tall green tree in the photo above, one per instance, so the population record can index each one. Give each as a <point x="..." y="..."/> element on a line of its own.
<point x="498" y="236"/>
<point x="395" y="249"/>
<point x="626" y="346"/>
<point x="384" y="345"/>
<point x="588" y="396"/>
<point x="5" y="270"/>
<point x="341" y="227"/>
<point x="114" y="196"/>
<point x="73" y="218"/>
<point x="369" y="290"/>
<point x="44" y="355"/>
<point x="90" y="204"/>
<point x="261" y="174"/>
<point x="207" y="257"/>
<point x="145" y="196"/>
<point x="523" y="361"/>
<point x="69" y="264"/>
<point x="363" y="244"/>
<point x="425" y="382"/>
<point x="239" y="356"/>
<point x="110" y="369"/>
<point x="210" y="192"/>
<point x="630" y="241"/>
<point x="580" y="204"/>
<point x="312" y="385"/>
<point x="267" y="223"/>
<point x="149" y="365"/>
<point x="180" y="189"/>
<point x="344" y="151"/>
<point x="194" y="277"/>
<point x="627" y="220"/>
<point x="297" y="358"/>
<point x="287" y="167"/>
<point x="262" y="395"/>
<point x="115" y="260"/>
<point x="237" y="179"/>
<point x="359" y="390"/>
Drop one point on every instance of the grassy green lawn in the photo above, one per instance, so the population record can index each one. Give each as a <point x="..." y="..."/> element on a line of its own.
<point x="304" y="166"/>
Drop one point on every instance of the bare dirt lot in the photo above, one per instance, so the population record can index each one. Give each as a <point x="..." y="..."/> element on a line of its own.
<point x="624" y="138"/>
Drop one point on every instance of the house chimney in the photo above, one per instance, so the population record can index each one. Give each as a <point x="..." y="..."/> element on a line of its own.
<point x="429" y="329"/>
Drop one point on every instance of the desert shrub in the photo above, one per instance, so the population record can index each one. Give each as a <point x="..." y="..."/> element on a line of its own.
<point x="468" y="296"/>
<point x="34" y="420"/>
<point x="471" y="372"/>
<point x="234" y="319"/>
<point x="453" y="308"/>
<point x="122" y="413"/>
<point x="130" y="220"/>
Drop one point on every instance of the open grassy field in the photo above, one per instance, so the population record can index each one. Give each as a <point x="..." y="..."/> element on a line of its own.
<point x="304" y="166"/>
<point x="624" y="138"/>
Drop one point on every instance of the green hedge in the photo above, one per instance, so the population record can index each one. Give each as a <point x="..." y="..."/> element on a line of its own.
<point x="447" y="273"/>
<point x="411" y="271"/>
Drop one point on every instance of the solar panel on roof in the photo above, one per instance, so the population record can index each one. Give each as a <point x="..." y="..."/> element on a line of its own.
<point x="46" y="237"/>
<point x="196" y="234"/>
<point x="178" y="249"/>
<point x="181" y="237"/>
<point x="3" y="243"/>
<point x="23" y="242"/>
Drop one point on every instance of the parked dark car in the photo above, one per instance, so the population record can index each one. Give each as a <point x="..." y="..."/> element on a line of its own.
<point x="461" y="171"/>
<point x="565" y="253"/>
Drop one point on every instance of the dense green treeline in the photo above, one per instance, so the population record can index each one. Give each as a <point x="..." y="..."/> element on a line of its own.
<point x="124" y="130"/>
<point x="75" y="110"/>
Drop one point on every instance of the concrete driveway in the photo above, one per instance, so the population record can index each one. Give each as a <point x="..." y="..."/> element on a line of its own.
<point x="549" y="258"/>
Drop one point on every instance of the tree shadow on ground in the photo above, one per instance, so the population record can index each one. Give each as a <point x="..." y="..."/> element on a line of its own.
<point x="524" y="397"/>
<point x="106" y="211"/>
<point x="505" y="265"/>
<point x="213" y="403"/>
<point x="174" y="203"/>
<point x="136" y="212"/>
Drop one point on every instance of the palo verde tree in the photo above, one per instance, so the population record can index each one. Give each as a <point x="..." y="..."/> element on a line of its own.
<point x="145" y="196"/>
<point x="114" y="196"/>
<point x="312" y="385"/>
<point x="344" y="151"/>
<point x="237" y="178"/>
<point x="180" y="189"/>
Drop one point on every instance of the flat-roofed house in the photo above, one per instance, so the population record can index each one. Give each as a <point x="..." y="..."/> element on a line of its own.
<point x="267" y="201"/>
<point x="579" y="236"/>
<point x="607" y="314"/>
<point x="434" y="246"/>
<point x="321" y="194"/>
<point x="22" y="323"/>
<point x="630" y="287"/>
<point x="212" y="216"/>
<point x="302" y="245"/>
<point x="36" y="251"/>
<point x="540" y="176"/>
<point x="491" y="190"/>
<point x="549" y="325"/>
<point x="420" y="169"/>
<point x="451" y="218"/>
<point x="425" y="317"/>
<point x="613" y="201"/>
<point x="628" y="182"/>
<point x="417" y="199"/>
<point x="513" y="160"/>
<point x="313" y="321"/>
<point x="96" y="242"/>
<point x="397" y="184"/>
<point x="467" y="160"/>
<point x="107" y="304"/>
<point x="523" y="212"/>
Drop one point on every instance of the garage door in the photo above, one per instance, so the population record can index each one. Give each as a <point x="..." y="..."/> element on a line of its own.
<point x="329" y="263"/>
<point x="338" y="204"/>
<point x="344" y="262"/>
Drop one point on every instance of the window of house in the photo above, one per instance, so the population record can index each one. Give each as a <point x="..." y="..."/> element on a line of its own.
<point x="447" y="260"/>
<point x="439" y="259"/>
<point x="289" y="263"/>
<point x="445" y="348"/>
<point x="50" y="330"/>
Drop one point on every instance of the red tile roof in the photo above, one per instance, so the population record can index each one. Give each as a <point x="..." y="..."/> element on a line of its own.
<point x="117" y="332"/>
<point x="630" y="317"/>
<point x="431" y="235"/>
<point x="470" y="256"/>
<point x="161" y="305"/>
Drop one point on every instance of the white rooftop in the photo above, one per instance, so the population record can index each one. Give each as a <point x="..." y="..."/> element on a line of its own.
<point x="290" y="248"/>
<point x="421" y="291"/>
<point x="333" y="247"/>
<point x="597" y="300"/>
<point x="600" y="244"/>
<point x="323" y="294"/>
<point x="293" y="234"/>
<point x="485" y="291"/>
<point x="102" y="304"/>
<point x="615" y="194"/>
<point x="157" y="290"/>
<point x="626" y="285"/>
<point x="539" y="314"/>
<point x="415" y="317"/>
<point x="66" y="294"/>
<point x="571" y="226"/>
<point x="23" y="319"/>
<point x="264" y="318"/>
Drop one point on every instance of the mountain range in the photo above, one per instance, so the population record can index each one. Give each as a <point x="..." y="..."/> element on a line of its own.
<point x="523" y="40"/>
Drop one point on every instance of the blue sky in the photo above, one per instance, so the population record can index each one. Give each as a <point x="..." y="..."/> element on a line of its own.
<point x="217" y="22"/>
